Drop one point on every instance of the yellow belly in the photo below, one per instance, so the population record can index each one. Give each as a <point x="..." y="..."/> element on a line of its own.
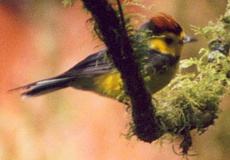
<point x="110" y="84"/>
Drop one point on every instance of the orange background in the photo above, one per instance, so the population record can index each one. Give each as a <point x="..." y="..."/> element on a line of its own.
<point x="40" y="39"/>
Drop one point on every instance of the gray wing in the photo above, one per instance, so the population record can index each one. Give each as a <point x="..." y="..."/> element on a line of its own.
<point x="94" y="64"/>
<point x="97" y="64"/>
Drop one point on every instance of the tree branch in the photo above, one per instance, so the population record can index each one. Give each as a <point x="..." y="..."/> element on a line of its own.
<point x="120" y="48"/>
<point x="191" y="101"/>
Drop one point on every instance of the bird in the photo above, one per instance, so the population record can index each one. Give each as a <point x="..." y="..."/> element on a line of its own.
<point x="97" y="74"/>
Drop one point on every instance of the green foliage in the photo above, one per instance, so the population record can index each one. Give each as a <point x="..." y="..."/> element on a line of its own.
<point x="191" y="100"/>
<point x="201" y="92"/>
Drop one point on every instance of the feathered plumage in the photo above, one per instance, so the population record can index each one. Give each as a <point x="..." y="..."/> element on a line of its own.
<point x="162" y="23"/>
<point x="98" y="75"/>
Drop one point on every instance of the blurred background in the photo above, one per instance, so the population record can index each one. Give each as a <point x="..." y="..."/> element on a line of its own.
<point x="41" y="39"/>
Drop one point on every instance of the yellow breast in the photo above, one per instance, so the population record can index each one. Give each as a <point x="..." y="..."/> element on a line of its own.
<point x="110" y="84"/>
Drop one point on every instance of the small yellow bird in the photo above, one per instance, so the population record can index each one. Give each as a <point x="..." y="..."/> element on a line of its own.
<point x="165" y="44"/>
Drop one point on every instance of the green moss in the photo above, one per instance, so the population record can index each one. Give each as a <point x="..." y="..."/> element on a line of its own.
<point x="191" y="100"/>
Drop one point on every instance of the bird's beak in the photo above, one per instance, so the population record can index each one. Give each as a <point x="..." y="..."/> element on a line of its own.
<point x="188" y="39"/>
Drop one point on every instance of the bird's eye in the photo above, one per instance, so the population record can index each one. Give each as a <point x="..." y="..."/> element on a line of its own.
<point x="168" y="40"/>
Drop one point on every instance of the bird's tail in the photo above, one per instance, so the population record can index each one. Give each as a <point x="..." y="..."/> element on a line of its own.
<point x="44" y="86"/>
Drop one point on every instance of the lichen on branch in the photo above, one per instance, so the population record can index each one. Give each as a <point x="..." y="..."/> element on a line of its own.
<point x="190" y="101"/>
<point x="111" y="30"/>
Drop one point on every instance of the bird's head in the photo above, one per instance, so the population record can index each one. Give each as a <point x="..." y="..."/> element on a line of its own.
<point x="167" y="35"/>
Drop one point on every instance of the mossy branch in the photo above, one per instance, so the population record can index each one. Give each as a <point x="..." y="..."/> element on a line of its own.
<point x="111" y="30"/>
<point x="191" y="100"/>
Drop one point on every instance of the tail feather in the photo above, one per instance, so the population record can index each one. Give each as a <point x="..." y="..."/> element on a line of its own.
<point x="44" y="86"/>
